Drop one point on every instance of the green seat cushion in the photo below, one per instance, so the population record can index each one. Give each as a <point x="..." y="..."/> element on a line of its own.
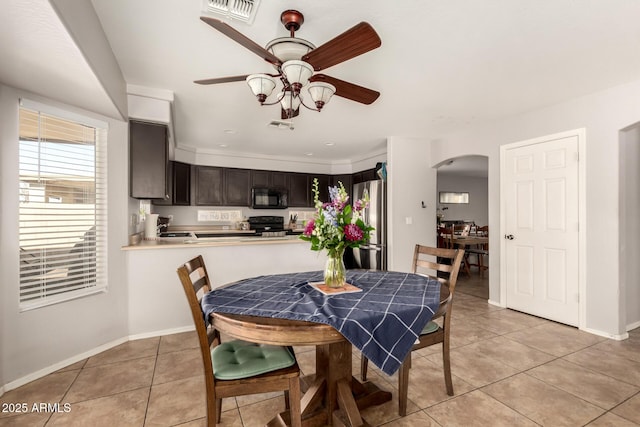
<point x="237" y="359"/>
<point x="429" y="328"/>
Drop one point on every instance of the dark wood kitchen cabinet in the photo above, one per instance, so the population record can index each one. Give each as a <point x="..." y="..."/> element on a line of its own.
<point x="148" y="160"/>
<point x="269" y="179"/>
<point x="280" y="180"/>
<point x="237" y="187"/>
<point x="207" y="185"/>
<point x="179" y="186"/>
<point x="299" y="190"/>
<point x="365" y="175"/>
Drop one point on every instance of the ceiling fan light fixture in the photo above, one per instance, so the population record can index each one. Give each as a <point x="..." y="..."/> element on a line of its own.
<point x="290" y="103"/>
<point x="297" y="74"/>
<point x="288" y="48"/>
<point x="261" y="85"/>
<point x="321" y="93"/>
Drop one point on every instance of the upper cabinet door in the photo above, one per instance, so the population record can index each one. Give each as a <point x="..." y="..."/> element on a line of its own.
<point x="148" y="160"/>
<point x="237" y="187"/>
<point x="181" y="184"/>
<point x="260" y="178"/>
<point x="270" y="179"/>
<point x="279" y="180"/>
<point x="299" y="190"/>
<point x="207" y="183"/>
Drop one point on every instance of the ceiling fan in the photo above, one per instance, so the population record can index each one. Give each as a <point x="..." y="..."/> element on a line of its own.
<point x="296" y="60"/>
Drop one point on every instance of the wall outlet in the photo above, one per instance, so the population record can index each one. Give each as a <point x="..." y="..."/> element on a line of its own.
<point x="226" y="216"/>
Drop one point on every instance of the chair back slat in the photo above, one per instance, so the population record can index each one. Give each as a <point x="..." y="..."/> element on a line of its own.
<point x="442" y="264"/>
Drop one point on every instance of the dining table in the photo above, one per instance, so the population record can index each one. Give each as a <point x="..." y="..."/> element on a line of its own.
<point x="470" y="240"/>
<point x="382" y="319"/>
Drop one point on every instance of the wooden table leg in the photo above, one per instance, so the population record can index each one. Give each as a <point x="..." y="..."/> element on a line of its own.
<point x="335" y="397"/>
<point x="343" y="391"/>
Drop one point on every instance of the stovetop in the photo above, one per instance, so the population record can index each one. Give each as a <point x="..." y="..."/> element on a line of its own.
<point x="266" y="223"/>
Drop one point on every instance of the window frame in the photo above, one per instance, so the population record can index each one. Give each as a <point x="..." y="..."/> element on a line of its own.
<point x="86" y="262"/>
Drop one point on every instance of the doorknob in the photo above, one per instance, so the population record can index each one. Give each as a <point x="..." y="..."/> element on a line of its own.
<point x="509" y="236"/>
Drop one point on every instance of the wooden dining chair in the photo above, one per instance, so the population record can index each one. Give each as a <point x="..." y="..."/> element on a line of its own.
<point x="443" y="265"/>
<point x="445" y="237"/>
<point x="480" y="251"/>
<point x="237" y="368"/>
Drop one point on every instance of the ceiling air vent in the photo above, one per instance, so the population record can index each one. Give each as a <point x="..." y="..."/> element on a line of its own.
<point x="241" y="10"/>
<point x="281" y="124"/>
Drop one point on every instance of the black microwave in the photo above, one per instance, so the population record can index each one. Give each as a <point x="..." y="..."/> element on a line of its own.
<point x="268" y="198"/>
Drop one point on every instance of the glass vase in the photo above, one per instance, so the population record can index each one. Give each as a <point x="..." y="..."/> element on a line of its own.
<point x="335" y="273"/>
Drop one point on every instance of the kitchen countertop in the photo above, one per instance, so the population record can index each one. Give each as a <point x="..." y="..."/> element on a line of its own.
<point x="188" y="242"/>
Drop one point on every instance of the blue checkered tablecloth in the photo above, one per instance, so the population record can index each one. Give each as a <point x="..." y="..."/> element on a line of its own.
<point x="383" y="321"/>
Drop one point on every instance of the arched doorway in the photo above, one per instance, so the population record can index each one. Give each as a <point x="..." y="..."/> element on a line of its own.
<point x="462" y="198"/>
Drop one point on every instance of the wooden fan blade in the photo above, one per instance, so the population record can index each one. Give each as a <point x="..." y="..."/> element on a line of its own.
<point x="228" y="79"/>
<point x="221" y="80"/>
<point x="240" y="38"/>
<point x="348" y="90"/>
<point x="357" y="40"/>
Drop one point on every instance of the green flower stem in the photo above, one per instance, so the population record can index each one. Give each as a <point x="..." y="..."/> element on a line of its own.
<point x="335" y="273"/>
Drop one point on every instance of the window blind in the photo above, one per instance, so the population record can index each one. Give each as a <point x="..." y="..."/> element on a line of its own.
<point x="62" y="218"/>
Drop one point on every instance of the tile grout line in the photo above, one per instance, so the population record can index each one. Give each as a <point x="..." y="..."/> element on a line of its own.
<point x="68" y="388"/>
<point x="155" y="365"/>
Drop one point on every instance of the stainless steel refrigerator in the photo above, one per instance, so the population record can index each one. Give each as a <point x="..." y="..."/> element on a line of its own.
<point x="374" y="255"/>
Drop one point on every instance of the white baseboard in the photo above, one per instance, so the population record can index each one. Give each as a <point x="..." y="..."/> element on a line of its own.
<point x="1" y="391"/>
<point x="617" y="337"/>
<point x="160" y="333"/>
<point x="63" y="364"/>
<point x="632" y="326"/>
<point x="496" y="303"/>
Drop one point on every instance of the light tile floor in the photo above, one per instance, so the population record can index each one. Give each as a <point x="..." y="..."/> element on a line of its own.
<point x="509" y="369"/>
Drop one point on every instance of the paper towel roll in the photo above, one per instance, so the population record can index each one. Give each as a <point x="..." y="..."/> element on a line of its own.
<point x="151" y="226"/>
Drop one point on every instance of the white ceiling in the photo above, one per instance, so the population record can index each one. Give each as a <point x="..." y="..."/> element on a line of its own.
<point x="442" y="66"/>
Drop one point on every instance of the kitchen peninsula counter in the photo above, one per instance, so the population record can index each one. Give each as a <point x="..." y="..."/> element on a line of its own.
<point x="156" y="301"/>
<point x="175" y="242"/>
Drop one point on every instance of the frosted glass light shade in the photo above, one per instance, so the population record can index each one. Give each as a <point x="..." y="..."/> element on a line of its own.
<point x="290" y="101"/>
<point x="261" y="85"/>
<point x="297" y="73"/>
<point x="321" y="93"/>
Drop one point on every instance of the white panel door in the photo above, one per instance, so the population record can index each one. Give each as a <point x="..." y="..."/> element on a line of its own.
<point x="541" y="229"/>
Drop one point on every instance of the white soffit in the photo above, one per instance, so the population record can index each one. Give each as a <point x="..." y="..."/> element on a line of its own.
<point x="40" y="56"/>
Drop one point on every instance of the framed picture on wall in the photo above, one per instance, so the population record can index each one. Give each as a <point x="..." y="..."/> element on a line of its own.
<point x="453" y="197"/>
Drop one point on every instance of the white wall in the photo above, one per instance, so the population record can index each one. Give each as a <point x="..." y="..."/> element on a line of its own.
<point x="411" y="181"/>
<point x="629" y="224"/>
<point x="37" y="341"/>
<point x="477" y="209"/>
<point x="603" y="115"/>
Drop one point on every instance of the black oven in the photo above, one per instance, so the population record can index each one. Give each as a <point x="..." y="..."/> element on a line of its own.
<point x="268" y="198"/>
